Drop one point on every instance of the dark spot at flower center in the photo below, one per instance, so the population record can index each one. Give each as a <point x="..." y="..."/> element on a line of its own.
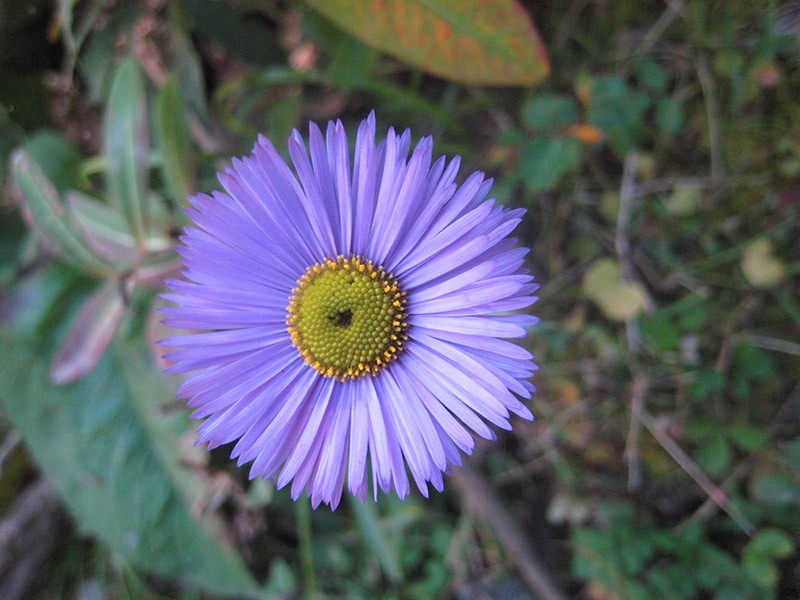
<point x="347" y="317"/>
<point x="343" y="318"/>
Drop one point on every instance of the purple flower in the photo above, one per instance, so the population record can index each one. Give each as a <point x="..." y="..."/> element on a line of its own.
<point x="353" y="316"/>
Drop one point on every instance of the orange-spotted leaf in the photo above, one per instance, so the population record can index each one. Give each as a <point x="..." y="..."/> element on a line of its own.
<point x="479" y="42"/>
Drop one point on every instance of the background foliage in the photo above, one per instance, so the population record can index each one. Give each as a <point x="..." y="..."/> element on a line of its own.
<point x="658" y="156"/>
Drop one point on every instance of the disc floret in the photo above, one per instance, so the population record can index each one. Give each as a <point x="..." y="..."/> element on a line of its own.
<point x="347" y="317"/>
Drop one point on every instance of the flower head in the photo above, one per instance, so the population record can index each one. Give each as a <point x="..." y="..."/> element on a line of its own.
<point x="351" y="316"/>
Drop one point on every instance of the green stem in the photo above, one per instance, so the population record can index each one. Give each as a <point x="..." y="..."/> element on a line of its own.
<point x="303" y="510"/>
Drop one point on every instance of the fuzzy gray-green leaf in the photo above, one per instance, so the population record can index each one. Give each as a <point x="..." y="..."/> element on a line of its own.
<point x="111" y="458"/>
<point x="127" y="146"/>
<point x="46" y="214"/>
<point x="177" y="157"/>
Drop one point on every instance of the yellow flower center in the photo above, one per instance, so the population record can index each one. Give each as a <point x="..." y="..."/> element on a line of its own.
<point x="347" y="317"/>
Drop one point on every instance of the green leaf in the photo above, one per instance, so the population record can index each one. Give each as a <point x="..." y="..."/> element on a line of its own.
<point x="106" y="232"/>
<point x="777" y="489"/>
<point x="545" y="161"/>
<point x="127" y="146"/>
<point x="762" y="571"/>
<point x="109" y="455"/>
<point x="549" y="112"/>
<point x="375" y="538"/>
<point x="242" y="33"/>
<point x="715" y="454"/>
<point x="769" y="543"/>
<point x="660" y="331"/>
<point x="36" y="304"/>
<point x="177" y="156"/>
<point x="792" y="453"/>
<point x="47" y="216"/>
<point x="98" y="55"/>
<point x="684" y="200"/>
<point x="23" y="94"/>
<point x="281" y="581"/>
<point x="471" y="41"/>
<point x="707" y="381"/>
<point x="652" y="75"/>
<point x="748" y="437"/>
<point x="189" y="71"/>
<point x="669" y="115"/>
<point x="58" y="157"/>
<point x="90" y="334"/>
<point x="618" y="110"/>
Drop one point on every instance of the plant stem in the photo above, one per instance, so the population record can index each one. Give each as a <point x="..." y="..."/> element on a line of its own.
<point x="303" y="515"/>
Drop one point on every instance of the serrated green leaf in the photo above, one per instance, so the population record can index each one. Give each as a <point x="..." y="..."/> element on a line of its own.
<point x="471" y="41"/>
<point x="127" y="146"/>
<point x="108" y="454"/>
<point x="177" y="155"/>
<point x="41" y="200"/>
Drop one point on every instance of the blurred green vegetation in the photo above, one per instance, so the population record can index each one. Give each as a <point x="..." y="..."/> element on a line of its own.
<point x="660" y="166"/>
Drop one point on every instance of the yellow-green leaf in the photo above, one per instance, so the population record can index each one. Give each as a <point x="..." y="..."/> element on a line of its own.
<point x="617" y="299"/>
<point x="760" y="267"/>
<point x="478" y="42"/>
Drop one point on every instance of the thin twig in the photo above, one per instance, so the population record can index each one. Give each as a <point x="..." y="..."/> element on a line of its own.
<point x="479" y="498"/>
<point x="715" y="493"/>
<point x="30" y="534"/>
<point x="627" y="192"/>
<point x="633" y="334"/>
<point x="792" y="404"/>
<point x="712" y="114"/>
<point x="769" y="343"/>
<point x="10" y="443"/>
<point x="674" y="8"/>
<point x="640" y="386"/>
<point x="622" y="243"/>
<point x="790" y="410"/>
